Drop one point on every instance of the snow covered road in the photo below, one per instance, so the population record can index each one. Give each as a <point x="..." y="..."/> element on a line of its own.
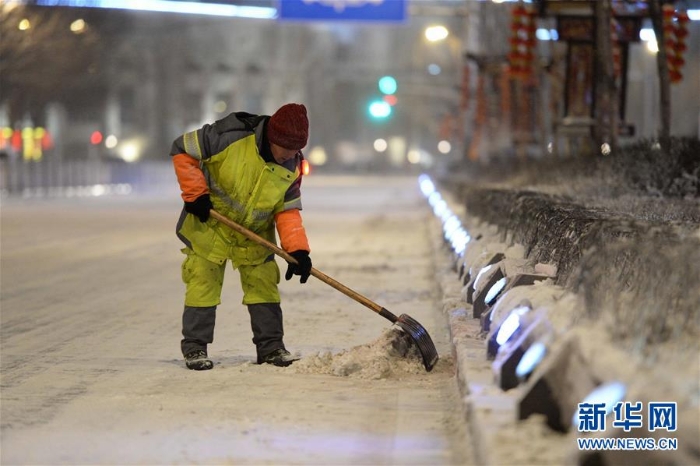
<point x="91" y="301"/>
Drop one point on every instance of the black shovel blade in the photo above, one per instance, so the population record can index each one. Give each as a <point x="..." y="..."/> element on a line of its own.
<point x="421" y="338"/>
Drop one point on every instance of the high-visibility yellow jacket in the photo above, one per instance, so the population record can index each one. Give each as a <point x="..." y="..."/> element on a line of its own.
<point x="231" y="160"/>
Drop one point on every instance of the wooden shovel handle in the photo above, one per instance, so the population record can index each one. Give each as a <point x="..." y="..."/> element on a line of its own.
<point x="315" y="272"/>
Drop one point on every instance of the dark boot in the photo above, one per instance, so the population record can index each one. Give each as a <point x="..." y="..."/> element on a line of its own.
<point x="197" y="329"/>
<point x="198" y="361"/>
<point x="268" y="330"/>
<point x="279" y="357"/>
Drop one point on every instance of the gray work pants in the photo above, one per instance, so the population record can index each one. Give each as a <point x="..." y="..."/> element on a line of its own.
<point x="265" y="321"/>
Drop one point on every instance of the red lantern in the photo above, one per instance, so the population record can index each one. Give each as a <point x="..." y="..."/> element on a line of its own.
<point x="675" y="30"/>
<point x="522" y="42"/>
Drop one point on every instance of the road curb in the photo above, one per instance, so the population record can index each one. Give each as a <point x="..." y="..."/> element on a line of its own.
<point x="497" y="434"/>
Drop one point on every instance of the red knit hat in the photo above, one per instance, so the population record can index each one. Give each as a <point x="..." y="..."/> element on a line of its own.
<point x="289" y="127"/>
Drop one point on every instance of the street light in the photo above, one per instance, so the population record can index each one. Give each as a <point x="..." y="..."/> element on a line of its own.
<point x="380" y="145"/>
<point x="436" y="33"/>
<point x="78" y="26"/>
<point x="444" y="147"/>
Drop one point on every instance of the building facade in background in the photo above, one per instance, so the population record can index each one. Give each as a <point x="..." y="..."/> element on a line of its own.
<point x="136" y="80"/>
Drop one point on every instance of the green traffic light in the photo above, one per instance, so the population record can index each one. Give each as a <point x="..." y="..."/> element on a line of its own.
<point x="387" y="85"/>
<point x="379" y="109"/>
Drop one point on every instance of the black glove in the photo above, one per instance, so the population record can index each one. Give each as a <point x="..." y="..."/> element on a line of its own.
<point x="303" y="268"/>
<point x="200" y="207"/>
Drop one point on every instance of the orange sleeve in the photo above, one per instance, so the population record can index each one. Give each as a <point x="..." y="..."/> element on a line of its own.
<point x="291" y="231"/>
<point x="190" y="177"/>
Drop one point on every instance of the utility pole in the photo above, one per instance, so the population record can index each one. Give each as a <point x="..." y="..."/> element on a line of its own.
<point x="656" y="13"/>
<point x="607" y="114"/>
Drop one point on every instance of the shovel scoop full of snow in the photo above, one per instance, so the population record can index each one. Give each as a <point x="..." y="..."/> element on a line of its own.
<point x="419" y="335"/>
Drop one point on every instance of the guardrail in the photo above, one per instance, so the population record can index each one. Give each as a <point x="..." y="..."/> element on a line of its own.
<point x="59" y="178"/>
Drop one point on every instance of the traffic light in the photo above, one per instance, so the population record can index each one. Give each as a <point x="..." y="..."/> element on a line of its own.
<point x="381" y="108"/>
<point x="387" y="85"/>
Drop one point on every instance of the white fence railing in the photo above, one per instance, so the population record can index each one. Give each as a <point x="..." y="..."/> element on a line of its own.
<point x="19" y="177"/>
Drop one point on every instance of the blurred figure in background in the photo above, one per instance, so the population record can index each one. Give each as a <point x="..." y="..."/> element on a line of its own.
<point x="248" y="168"/>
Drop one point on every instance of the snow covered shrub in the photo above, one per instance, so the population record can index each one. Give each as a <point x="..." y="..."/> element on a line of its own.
<point x="648" y="169"/>
<point x="647" y="287"/>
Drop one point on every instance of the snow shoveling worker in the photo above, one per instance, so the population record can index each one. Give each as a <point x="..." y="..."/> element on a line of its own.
<point x="248" y="168"/>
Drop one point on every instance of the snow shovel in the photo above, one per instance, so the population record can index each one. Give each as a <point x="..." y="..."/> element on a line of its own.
<point x="415" y="330"/>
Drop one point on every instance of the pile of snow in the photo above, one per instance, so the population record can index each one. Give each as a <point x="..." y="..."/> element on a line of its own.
<point x="392" y="355"/>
